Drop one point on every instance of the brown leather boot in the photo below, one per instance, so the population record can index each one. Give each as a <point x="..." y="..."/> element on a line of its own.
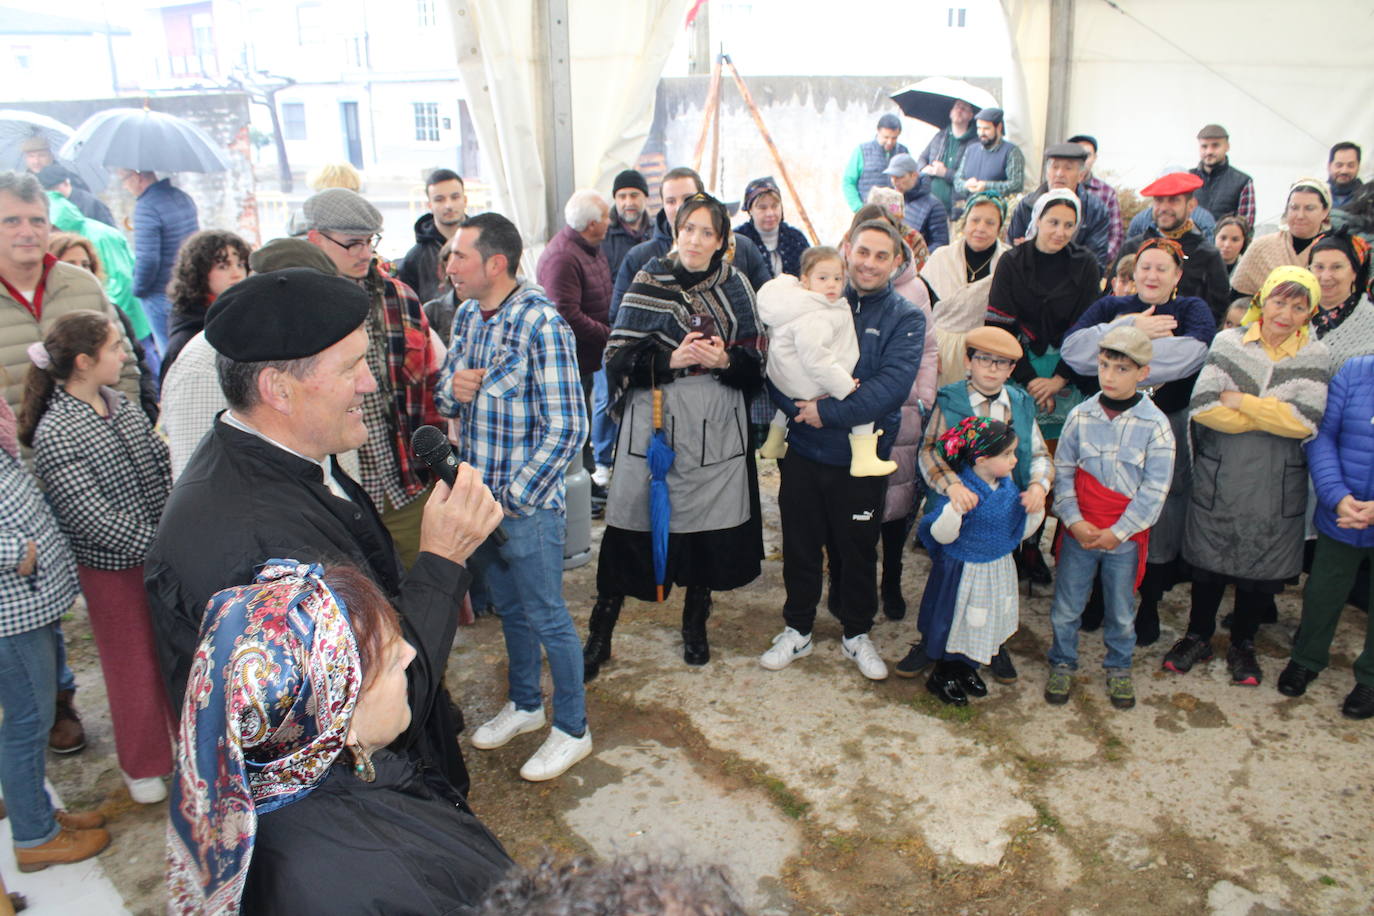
<point x="68" y="846"/>
<point x="67" y="735"/>
<point x="80" y="820"/>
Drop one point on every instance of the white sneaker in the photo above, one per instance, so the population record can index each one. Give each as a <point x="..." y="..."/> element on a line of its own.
<point x="861" y="650"/>
<point x="559" y="751"/>
<point x="601" y="476"/>
<point x="788" y="646"/>
<point x="508" y="723"/>
<point x="148" y="791"/>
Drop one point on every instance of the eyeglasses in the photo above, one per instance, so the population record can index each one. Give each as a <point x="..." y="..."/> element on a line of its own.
<point x="993" y="362"/>
<point x="371" y="241"/>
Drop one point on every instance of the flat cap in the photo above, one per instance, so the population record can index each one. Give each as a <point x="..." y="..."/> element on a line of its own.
<point x="993" y="115"/>
<point x="34" y="143"/>
<point x="341" y="210"/>
<point x="50" y="176"/>
<point x="286" y="314"/>
<point x="1172" y="184"/>
<point x="1128" y="340"/>
<point x="890" y="121"/>
<point x="901" y="164"/>
<point x="1085" y="138"/>
<point x="993" y="340"/>
<point x="280" y="254"/>
<point x="1066" y="151"/>
<point x="1213" y="132"/>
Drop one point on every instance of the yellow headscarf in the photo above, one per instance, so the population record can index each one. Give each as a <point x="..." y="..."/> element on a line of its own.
<point x="1285" y="274"/>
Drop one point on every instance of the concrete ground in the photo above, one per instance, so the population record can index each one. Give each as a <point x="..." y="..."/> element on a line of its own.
<point x="823" y="792"/>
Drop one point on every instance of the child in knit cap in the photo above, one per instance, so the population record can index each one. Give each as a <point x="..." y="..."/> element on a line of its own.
<point x="969" y="608"/>
<point x="812" y="350"/>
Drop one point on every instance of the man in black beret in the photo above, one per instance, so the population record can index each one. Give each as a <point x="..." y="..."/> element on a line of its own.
<point x="263" y="484"/>
<point x="1065" y="167"/>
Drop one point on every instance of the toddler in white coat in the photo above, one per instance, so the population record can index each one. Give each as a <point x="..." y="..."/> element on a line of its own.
<point x="812" y="350"/>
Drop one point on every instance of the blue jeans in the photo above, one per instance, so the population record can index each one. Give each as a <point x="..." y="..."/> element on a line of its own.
<point x="1074" y="574"/>
<point x="525" y="581"/>
<point x="604" y="429"/>
<point x="28" y="692"/>
<point x="157" y="307"/>
<point x="66" y="680"/>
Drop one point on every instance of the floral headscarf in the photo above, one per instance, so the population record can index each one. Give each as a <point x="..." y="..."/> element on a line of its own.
<point x="269" y="700"/>
<point x="973" y="438"/>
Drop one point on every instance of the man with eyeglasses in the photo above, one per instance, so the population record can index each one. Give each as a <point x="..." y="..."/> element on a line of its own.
<point x="992" y="353"/>
<point x="347" y="229"/>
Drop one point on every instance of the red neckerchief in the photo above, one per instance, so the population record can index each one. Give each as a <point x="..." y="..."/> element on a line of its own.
<point x="36" y="307"/>
<point x="1102" y="506"/>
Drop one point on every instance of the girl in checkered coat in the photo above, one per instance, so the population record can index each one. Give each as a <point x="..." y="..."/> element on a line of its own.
<point x="108" y="476"/>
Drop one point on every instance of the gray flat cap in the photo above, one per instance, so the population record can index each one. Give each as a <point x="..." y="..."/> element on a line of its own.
<point x="901" y="164"/>
<point x="341" y="210"/>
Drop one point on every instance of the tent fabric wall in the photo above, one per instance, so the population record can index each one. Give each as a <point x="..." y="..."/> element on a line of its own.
<point x="1146" y="74"/>
<point x="618" y="49"/>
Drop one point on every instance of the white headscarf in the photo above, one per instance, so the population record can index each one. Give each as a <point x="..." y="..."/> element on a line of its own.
<point x="1049" y="197"/>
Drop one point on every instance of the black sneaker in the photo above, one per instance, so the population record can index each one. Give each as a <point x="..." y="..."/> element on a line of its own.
<point x="1243" y="665"/>
<point x="1360" y="703"/>
<point x="1003" y="671"/>
<point x="1294" y="679"/>
<point x="915" y="662"/>
<point x="1187" y="652"/>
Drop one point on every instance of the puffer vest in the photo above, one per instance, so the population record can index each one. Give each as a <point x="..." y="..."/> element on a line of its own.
<point x="1220" y="191"/>
<point x="875" y="160"/>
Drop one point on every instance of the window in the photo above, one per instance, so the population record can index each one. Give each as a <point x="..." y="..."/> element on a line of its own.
<point x="424" y="12"/>
<point x="427" y="121"/>
<point x="293" y="120"/>
<point x="355" y="51"/>
<point x="956" y="17"/>
<point x="309" y="24"/>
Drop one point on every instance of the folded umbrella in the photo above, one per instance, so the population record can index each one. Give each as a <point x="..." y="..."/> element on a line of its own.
<point x="146" y="141"/>
<point x="660" y="456"/>
<point x="931" y="99"/>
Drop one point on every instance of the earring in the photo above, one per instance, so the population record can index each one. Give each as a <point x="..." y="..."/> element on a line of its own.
<point x="362" y="763"/>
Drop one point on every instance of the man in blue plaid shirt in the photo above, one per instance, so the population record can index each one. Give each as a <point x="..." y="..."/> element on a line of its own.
<point x="511" y="380"/>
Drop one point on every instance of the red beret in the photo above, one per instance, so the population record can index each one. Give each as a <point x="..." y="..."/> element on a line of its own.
<point x="1171" y="184"/>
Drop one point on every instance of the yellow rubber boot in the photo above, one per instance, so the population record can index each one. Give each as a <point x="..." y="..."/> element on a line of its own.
<point x="775" y="446"/>
<point x="864" y="460"/>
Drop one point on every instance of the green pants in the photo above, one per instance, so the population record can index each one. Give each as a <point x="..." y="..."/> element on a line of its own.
<point x="1333" y="572"/>
<point x="404" y="525"/>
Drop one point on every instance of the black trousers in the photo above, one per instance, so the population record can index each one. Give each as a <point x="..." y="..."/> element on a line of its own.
<point x="821" y="508"/>
<point x="588" y="461"/>
<point x="1252" y="598"/>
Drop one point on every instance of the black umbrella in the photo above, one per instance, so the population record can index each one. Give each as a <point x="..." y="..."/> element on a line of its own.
<point x="931" y="99"/>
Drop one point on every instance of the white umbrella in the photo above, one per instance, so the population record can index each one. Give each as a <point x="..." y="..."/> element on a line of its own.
<point x="17" y="126"/>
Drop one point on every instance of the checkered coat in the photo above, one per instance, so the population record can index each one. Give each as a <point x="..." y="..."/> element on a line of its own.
<point x="108" y="478"/>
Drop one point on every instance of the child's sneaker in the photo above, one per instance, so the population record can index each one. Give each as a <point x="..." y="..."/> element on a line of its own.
<point x="788" y="646"/>
<point x="1059" y="686"/>
<point x="1120" y="689"/>
<point x="1187" y="652"/>
<point x="860" y="650"/>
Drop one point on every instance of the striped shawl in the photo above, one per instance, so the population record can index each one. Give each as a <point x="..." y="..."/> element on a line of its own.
<point x="1233" y="365"/>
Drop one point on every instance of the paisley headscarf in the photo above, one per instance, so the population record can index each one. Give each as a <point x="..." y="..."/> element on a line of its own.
<point x="269" y="700"/>
<point x="1356" y="251"/>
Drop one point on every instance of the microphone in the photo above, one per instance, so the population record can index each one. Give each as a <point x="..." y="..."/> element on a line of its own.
<point x="432" y="447"/>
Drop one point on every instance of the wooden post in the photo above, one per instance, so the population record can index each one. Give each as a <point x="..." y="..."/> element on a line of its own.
<point x="712" y="102"/>
<point x="714" y="186"/>
<point x="772" y="147"/>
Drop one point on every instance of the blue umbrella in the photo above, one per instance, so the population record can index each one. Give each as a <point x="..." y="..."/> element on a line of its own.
<point x="17" y="126"/>
<point x="146" y="141"/>
<point x="660" y="456"/>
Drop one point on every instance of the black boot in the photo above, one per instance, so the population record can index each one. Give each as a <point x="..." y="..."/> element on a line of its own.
<point x="605" y="613"/>
<point x="894" y="536"/>
<point x="696" y="607"/>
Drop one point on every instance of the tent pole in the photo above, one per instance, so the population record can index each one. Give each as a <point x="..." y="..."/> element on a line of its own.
<point x="558" y="132"/>
<point x="708" y="113"/>
<point x="772" y="147"/>
<point x="1061" y="51"/>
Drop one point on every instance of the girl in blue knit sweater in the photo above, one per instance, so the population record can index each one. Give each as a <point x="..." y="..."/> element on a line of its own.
<point x="970" y="607"/>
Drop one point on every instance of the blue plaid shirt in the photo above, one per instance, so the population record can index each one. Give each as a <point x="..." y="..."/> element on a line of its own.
<point x="528" y="420"/>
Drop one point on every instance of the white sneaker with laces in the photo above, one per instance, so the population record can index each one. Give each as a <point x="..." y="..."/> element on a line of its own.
<point x="861" y="650"/>
<point x="601" y="476"/>
<point x="148" y="791"/>
<point x="507" y="723"/>
<point x="556" y="755"/>
<point x="788" y="646"/>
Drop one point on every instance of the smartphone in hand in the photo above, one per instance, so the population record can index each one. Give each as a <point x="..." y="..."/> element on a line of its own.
<point x="704" y="325"/>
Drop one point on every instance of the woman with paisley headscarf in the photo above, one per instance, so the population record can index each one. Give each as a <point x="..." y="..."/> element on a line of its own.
<point x="687" y="327"/>
<point x="1344" y="319"/>
<point x="289" y="797"/>
<point x="1259" y="398"/>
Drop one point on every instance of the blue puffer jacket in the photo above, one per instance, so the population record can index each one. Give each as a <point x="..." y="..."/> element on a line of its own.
<point x="1341" y="458"/>
<point x="891" y="334"/>
<point x="926" y="215"/>
<point x="164" y="217"/>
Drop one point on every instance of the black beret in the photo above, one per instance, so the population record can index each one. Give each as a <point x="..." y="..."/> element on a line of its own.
<point x="285" y="314"/>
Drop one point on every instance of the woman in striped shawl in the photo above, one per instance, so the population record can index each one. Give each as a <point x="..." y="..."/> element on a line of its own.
<point x="1258" y="398"/>
<point x="688" y="327"/>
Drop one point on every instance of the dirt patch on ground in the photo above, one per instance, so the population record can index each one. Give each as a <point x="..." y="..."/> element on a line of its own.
<point x="872" y="798"/>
